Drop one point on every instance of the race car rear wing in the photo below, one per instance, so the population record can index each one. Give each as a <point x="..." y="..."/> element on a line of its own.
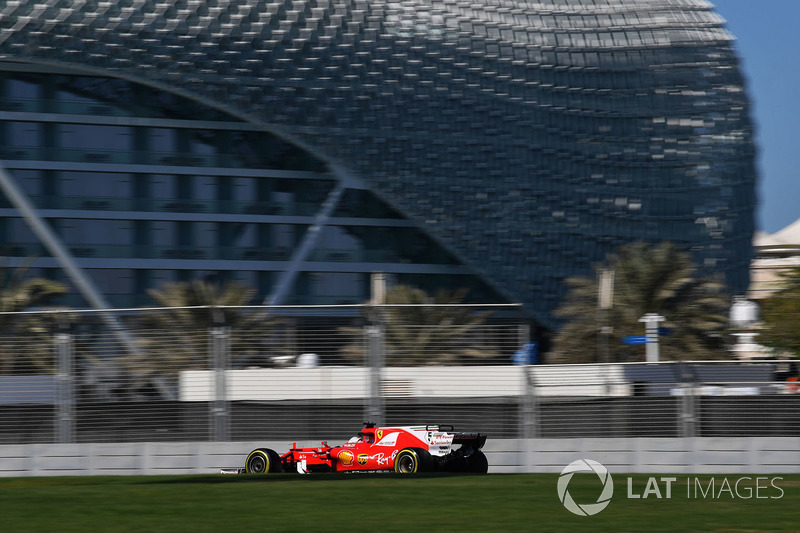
<point x="475" y="440"/>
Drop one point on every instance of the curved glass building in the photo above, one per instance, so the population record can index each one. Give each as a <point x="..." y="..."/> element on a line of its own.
<point x="297" y="146"/>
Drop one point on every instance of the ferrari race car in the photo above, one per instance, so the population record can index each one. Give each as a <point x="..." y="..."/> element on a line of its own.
<point x="404" y="450"/>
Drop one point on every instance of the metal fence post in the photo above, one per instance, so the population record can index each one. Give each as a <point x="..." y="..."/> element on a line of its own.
<point x="688" y="414"/>
<point x="528" y="423"/>
<point x="529" y="419"/>
<point x="220" y="354"/>
<point x="526" y="401"/>
<point x="375" y="357"/>
<point x="65" y="410"/>
<point x="523" y="335"/>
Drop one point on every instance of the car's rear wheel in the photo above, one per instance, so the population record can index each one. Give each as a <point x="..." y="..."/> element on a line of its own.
<point x="262" y="461"/>
<point x="413" y="461"/>
<point x="477" y="463"/>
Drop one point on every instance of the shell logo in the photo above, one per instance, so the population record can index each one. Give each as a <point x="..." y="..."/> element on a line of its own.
<point x="346" y="457"/>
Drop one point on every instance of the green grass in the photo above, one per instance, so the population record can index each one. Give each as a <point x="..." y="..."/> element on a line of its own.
<point x="380" y="503"/>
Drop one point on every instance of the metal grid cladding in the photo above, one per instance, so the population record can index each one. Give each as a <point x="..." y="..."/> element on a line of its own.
<point x="529" y="138"/>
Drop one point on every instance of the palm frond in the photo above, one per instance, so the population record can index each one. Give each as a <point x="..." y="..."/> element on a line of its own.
<point x="649" y="279"/>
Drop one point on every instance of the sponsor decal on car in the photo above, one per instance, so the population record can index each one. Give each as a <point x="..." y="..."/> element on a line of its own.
<point x="346" y="457"/>
<point x="379" y="434"/>
<point x="439" y="450"/>
<point x="382" y="459"/>
<point x="439" y="439"/>
<point x="363" y="458"/>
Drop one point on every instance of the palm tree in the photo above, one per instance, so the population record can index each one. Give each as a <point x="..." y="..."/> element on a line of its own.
<point x="27" y="344"/>
<point x="209" y="301"/>
<point x="781" y="312"/>
<point x="179" y="337"/>
<point x="648" y="279"/>
<point x="419" y="333"/>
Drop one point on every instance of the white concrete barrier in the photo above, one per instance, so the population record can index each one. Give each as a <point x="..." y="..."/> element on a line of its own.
<point x="699" y="455"/>
<point x="335" y="383"/>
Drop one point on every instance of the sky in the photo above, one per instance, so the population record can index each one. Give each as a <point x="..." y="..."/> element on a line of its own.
<point x="768" y="42"/>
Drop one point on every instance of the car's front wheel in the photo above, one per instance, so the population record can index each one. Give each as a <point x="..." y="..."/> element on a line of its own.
<point x="413" y="461"/>
<point x="262" y="461"/>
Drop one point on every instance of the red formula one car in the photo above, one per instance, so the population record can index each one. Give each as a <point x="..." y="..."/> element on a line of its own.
<point x="404" y="450"/>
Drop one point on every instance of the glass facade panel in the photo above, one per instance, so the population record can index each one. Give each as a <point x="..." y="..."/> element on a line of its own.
<point x="23" y="134"/>
<point x="19" y="232"/>
<point x="163" y="140"/>
<point x="93" y="137"/>
<point x="92" y="231"/>
<point x="97" y="184"/>
<point x="164" y="233"/>
<point x="23" y="88"/>
<point x="162" y="186"/>
<point x="30" y="181"/>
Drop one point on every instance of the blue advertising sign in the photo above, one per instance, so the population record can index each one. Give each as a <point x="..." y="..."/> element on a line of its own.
<point x="528" y="355"/>
<point x="634" y="339"/>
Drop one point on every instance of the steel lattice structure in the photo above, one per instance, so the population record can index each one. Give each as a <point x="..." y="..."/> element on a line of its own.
<point x="530" y="138"/>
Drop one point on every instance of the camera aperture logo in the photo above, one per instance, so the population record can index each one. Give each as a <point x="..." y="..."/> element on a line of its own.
<point x="585" y="509"/>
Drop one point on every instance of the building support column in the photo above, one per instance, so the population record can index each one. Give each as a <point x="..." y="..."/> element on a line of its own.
<point x="306" y="246"/>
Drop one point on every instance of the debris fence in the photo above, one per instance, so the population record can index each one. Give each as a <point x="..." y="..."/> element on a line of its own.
<point x="232" y="374"/>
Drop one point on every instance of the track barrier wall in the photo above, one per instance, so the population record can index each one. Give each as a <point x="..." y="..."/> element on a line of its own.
<point x="697" y="455"/>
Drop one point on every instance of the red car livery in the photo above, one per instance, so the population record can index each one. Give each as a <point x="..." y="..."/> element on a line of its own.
<point x="404" y="450"/>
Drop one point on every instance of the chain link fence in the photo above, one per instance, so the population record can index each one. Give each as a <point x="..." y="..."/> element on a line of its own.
<point x="243" y="374"/>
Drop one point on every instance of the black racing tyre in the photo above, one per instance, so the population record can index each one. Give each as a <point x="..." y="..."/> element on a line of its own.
<point x="262" y="461"/>
<point x="413" y="461"/>
<point x="477" y="463"/>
